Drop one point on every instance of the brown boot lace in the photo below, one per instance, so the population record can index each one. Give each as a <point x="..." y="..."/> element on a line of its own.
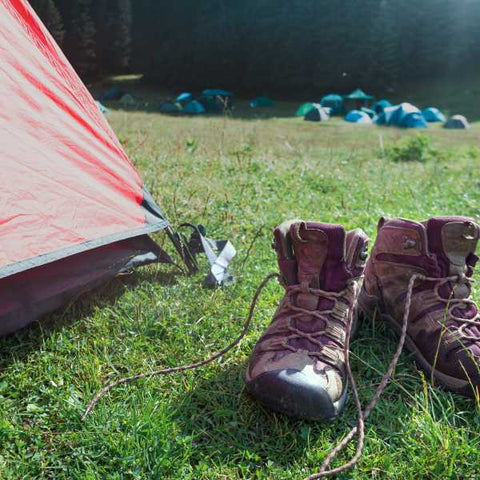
<point x="331" y="354"/>
<point x="362" y="414"/>
<point x="452" y="303"/>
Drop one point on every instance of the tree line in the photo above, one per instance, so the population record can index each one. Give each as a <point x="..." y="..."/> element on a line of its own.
<point x="96" y="35"/>
<point x="269" y="45"/>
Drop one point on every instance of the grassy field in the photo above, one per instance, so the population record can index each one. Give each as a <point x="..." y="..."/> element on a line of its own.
<point x="240" y="177"/>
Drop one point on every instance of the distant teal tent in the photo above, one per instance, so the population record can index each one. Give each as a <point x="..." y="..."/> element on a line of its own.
<point x="401" y="112"/>
<point x="170" y="108"/>
<point x="432" y="114"/>
<point x="194" y="108"/>
<point x="334" y="102"/>
<point x="357" y="116"/>
<point x="414" y="120"/>
<point x="359" y="98"/>
<point x="304" y="109"/>
<point x="404" y="115"/>
<point x="112" y="94"/>
<point x="380" y="106"/>
<point x="184" y="97"/>
<point x="262" y="102"/>
<point x="359" y="95"/>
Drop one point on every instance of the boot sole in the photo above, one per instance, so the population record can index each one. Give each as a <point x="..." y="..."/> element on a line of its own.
<point x="449" y="383"/>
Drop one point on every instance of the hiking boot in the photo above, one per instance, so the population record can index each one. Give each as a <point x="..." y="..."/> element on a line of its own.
<point x="443" y="330"/>
<point x="298" y="365"/>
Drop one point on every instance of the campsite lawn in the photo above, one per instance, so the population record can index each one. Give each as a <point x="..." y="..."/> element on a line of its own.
<point x="239" y="177"/>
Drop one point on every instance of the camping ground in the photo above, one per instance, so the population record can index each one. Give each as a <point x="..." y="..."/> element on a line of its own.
<point x="240" y="177"/>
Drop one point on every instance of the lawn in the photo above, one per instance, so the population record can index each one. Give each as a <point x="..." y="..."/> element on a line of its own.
<point x="240" y="177"/>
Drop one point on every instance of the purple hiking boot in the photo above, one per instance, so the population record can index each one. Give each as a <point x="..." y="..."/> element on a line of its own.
<point x="423" y="270"/>
<point x="298" y="365"/>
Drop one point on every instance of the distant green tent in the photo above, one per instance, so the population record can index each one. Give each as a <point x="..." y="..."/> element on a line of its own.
<point x="359" y="98"/>
<point x="262" y="102"/>
<point x="304" y="109"/>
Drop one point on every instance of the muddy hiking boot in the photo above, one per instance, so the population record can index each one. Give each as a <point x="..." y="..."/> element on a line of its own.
<point x="443" y="330"/>
<point x="298" y="365"/>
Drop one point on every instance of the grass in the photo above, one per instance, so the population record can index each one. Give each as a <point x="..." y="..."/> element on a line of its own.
<point x="237" y="176"/>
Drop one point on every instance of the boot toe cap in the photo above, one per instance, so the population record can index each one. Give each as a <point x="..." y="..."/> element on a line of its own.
<point x="296" y="393"/>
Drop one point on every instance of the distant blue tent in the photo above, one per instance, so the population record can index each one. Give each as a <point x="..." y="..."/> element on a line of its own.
<point x="432" y="114"/>
<point x="216" y="92"/>
<point x="357" y="116"/>
<point x="334" y="102"/>
<point x="414" y="120"/>
<point x="401" y="111"/>
<point x="184" y="97"/>
<point x="385" y="117"/>
<point x="194" y="108"/>
<point x="404" y="115"/>
<point x="380" y="106"/>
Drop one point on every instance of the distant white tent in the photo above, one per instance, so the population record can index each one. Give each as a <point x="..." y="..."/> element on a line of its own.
<point x="458" y="122"/>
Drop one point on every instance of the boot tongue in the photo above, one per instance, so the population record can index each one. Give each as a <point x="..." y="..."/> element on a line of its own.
<point x="453" y="240"/>
<point x="318" y="248"/>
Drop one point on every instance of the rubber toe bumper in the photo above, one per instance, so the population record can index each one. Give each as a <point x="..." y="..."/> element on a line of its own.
<point x="293" y="393"/>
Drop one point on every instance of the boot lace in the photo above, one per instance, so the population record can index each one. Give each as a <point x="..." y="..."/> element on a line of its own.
<point x="452" y="304"/>
<point x="359" y="428"/>
<point x="331" y="354"/>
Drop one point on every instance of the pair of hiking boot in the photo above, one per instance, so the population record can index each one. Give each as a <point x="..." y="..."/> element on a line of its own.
<point x="418" y="275"/>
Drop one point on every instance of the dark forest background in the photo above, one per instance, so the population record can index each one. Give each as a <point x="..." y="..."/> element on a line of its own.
<point x="268" y="45"/>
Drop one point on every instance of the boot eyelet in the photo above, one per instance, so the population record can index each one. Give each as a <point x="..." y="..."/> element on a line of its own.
<point x="409" y="244"/>
<point x="469" y="233"/>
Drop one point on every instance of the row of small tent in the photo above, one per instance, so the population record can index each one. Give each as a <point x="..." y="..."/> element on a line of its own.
<point x="209" y="101"/>
<point x="117" y="95"/>
<point x="384" y="113"/>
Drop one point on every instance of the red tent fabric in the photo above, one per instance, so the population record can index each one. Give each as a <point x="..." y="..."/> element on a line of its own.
<point x="66" y="185"/>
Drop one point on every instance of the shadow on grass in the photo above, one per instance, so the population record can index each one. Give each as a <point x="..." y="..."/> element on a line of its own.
<point x="226" y="423"/>
<point x="18" y="345"/>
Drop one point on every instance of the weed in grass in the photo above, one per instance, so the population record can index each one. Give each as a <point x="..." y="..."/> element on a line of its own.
<point x="414" y="149"/>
